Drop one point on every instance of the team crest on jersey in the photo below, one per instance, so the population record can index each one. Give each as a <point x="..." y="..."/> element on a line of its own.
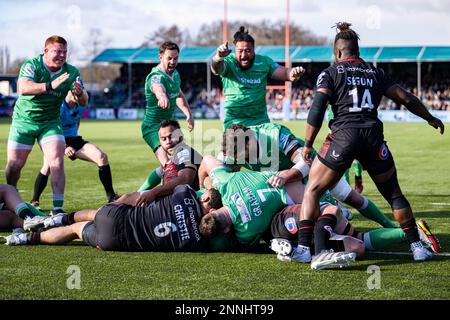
<point x="383" y="153"/>
<point x="241" y="207"/>
<point x="290" y="225"/>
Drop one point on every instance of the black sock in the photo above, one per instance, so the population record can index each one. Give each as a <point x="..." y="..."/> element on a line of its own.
<point x="104" y="172"/>
<point x="39" y="186"/>
<point x="322" y="232"/>
<point x="68" y="219"/>
<point x="34" y="238"/>
<point x="410" y="229"/>
<point x="305" y="232"/>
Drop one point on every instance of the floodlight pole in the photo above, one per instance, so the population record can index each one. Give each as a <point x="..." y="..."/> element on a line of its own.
<point x="287" y="84"/>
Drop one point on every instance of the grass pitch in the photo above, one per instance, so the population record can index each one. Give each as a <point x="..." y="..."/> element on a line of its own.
<point x="41" y="272"/>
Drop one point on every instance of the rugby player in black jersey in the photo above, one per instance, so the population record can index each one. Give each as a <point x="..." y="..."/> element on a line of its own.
<point x="354" y="89"/>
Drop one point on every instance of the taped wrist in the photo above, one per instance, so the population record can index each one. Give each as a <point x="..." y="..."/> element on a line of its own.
<point x="317" y="111"/>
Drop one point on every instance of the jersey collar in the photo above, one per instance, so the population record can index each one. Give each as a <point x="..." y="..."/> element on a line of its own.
<point x="352" y="60"/>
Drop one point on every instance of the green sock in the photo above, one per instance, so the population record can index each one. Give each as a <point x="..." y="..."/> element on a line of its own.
<point x="372" y="212"/>
<point x="357" y="167"/>
<point x="380" y="238"/>
<point x="58" y="201"/>
<point x="35" y="211"/>
<point x="153" y="179"/>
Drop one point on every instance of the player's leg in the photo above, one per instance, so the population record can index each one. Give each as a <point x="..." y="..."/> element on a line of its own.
<point x="40" y="183"/>
<point x="129" y="198"/>
<point x="13" y="201"/>
<point x="9" y="220"/>
<point x="343" y="192"/>
<point x="357" y="168"/>
<point x="53" y="144"/>
<point x="90" y="152"/>
<point x="152" y="180"/>
<point x="63" y="234"/>
<point x="150" y="135"/>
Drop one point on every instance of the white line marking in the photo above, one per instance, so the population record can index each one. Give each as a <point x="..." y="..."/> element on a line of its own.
<point x="441" y="254"/>
<point x="440" y="204"/>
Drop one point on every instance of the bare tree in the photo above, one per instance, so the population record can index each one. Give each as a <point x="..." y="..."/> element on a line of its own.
<point x="172" y="33"/>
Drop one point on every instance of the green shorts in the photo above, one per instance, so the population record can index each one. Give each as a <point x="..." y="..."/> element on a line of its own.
<point x="150" y="135"/>
<point x="25" y="132"/>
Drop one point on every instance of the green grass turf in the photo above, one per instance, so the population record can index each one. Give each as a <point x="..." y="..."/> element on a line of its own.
<point x="422" y="157"/>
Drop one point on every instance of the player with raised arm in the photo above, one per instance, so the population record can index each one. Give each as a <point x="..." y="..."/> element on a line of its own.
<point x="244" y="77"/>
<point x="162" y="92"/>
<point x="354" y="89"/>
<point x="42" y="85"/>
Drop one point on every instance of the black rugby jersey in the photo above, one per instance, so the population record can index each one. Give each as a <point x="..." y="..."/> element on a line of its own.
<point x="170" y="223"/>
<point x="357" y="88"/>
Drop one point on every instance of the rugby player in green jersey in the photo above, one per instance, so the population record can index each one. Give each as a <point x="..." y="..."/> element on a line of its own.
<point x="274" y="147"/>
<point x="244" y="77"/>
<point x="163" y="93"/>
<point x="42" y="85"/>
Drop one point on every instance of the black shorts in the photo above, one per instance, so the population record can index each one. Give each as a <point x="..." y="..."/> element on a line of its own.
<point x="107" y="231"/>
<point x="366" y="145"/>
<point x="75" y="142"/>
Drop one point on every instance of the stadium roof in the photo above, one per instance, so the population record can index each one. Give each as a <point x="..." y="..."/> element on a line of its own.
<point x="297" y="54"/>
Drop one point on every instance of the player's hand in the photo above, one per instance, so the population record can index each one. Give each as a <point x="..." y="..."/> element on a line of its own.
<point x="57" y="82"/>
<point x="358" y="184"/>
<point x="77" y="87"/>
<point x="145" y="198"/>
<point x="307" y="154"/>
<point x="163" y="101"/>
<point x="437" y="124"/>
<point x="296" y="73"/>
<point x="69" y="152"/>
<point x="223" y="51"/>
<point x="276" y="181"/>
<point x="191" y="123"/>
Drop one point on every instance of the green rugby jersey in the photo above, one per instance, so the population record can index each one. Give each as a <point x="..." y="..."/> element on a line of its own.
<point x="43" y="107"/>
<point x="154" y="113"/>
<point x="250" y="200"/>
<point x="245" y="90"/>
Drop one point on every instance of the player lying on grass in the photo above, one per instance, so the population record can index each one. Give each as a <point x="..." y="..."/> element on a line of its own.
<point x="334" y="232"/>
<point x="13" y="210"/>
<point x="170" y="223"/>
<point x="180" y="168"/>
<point x="273" y="146"/>
<point x="76" y="148"/>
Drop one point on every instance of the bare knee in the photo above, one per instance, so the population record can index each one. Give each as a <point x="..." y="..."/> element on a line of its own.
<point x="15" y="165"/>
<point x="102" y="159"/>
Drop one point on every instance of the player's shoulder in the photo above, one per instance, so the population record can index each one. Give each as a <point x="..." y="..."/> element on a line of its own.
<point x="71" y="69"/>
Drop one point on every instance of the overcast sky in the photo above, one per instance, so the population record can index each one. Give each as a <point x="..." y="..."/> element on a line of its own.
<point x="25" y="24"/>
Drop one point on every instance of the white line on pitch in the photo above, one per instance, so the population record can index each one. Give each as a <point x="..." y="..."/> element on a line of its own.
<point x="440" y="204"/>
<point x="441" y="254"/>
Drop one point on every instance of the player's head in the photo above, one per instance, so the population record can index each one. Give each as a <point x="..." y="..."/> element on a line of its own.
<point x="55" y="52"/>
<point x="244" y="48"/>
<point x="215" y="222"/>
<point x="168" y="56"/>
<point x="210" y="201"/>
<point x="240" y="144"/>
<point x="169" y="134"/>
<point x="346" y="42"/>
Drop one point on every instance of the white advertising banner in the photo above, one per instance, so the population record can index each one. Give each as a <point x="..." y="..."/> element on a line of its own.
<point x="128" y="114"/>
<point x="105" y="114"/>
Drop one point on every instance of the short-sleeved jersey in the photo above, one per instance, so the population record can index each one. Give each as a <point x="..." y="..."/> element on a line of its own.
<point x="357" y="88"/>
<point x="182" y="156"/>
<point x="251" y="201"/>
<point x="276" y="144"/>
<point x="70" y="118"/>
<point x="153" y="113"/>
<point x="245" y="90"/>
<point x="43" y="107"/>
<point x="170" y="223"/>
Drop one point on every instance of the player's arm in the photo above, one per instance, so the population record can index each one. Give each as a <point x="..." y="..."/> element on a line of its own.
<point x="217" y="62"/>
<point x="413" y="104"/>
<point x="314" y="121"/>
<point x="160" y="92"/>
<point x="209" y="163"/>
<point x="299" y="170"/>
<point x="183" y="104"/>
<point x="185" y="176"/>
<point x="287" y="74"/>
<point x="26" y="86"/>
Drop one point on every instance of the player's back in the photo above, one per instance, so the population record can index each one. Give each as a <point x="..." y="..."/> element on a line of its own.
<point x="357" y="88"/>
<point x="170" y="223"/>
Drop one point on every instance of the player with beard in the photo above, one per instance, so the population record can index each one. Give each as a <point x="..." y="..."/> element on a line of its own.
<point x="244" y="77"/>
<point x="163" y="93"/>
<point x="354" y="89"/>
<point x="180" y="168"/>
